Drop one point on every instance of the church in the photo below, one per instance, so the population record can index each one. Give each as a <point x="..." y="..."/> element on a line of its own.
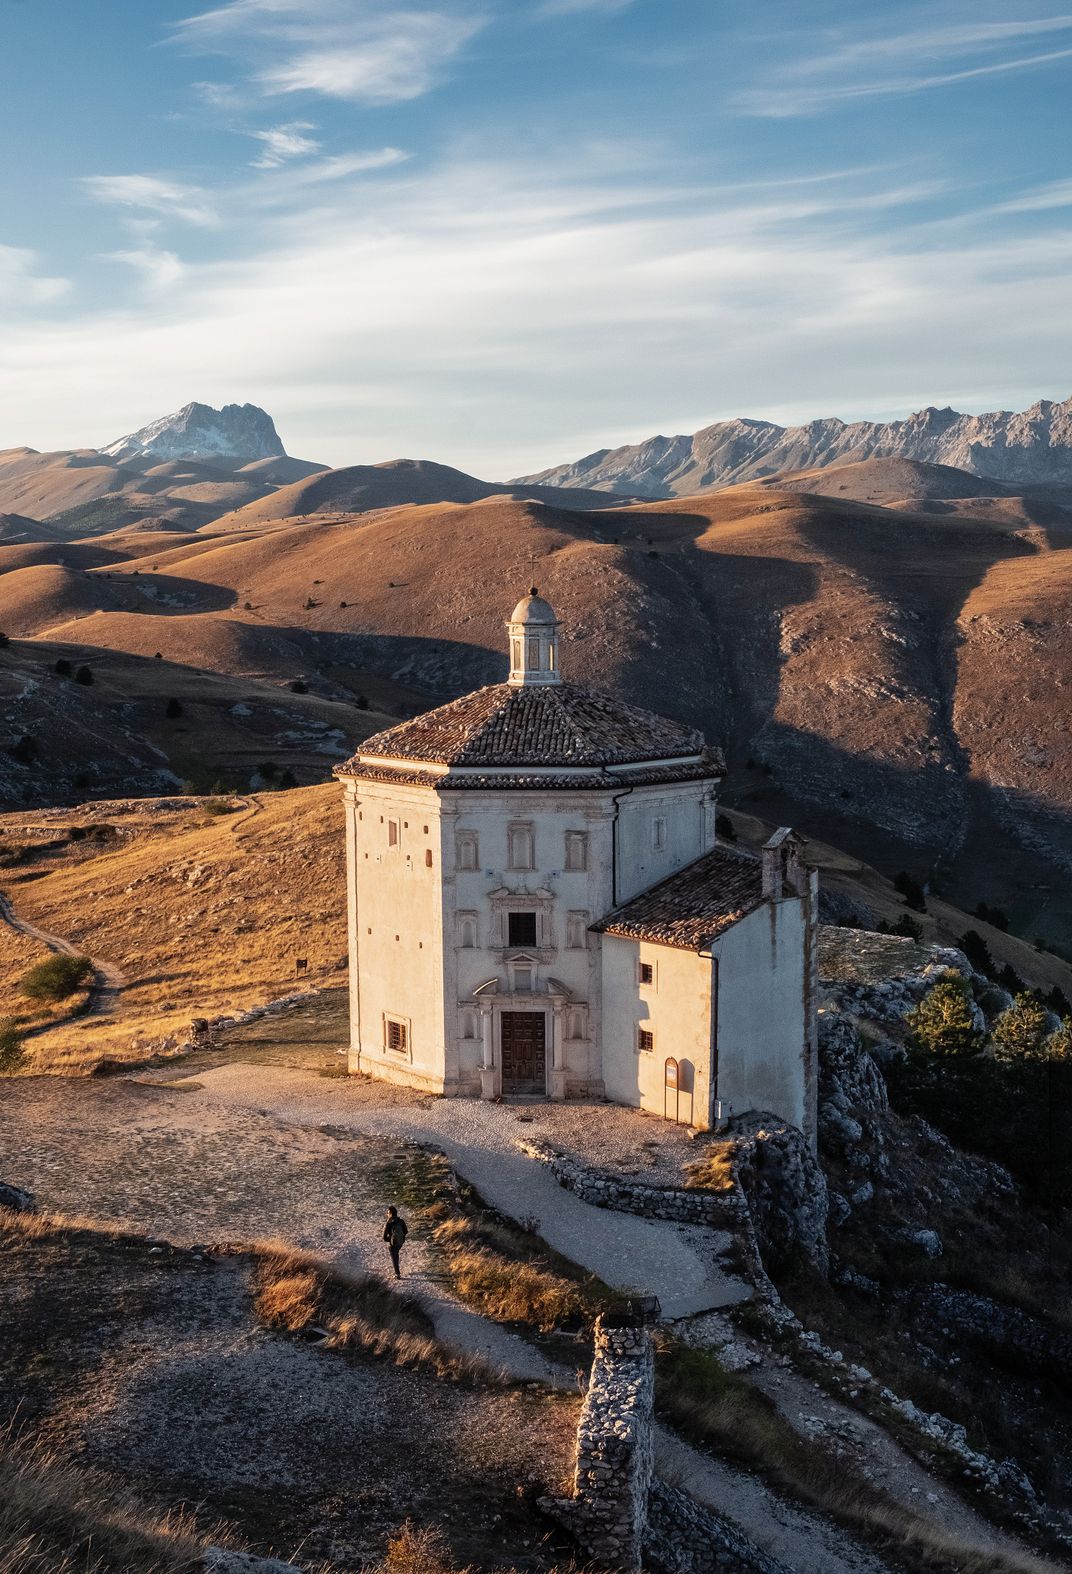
<point x="538" y="905"/>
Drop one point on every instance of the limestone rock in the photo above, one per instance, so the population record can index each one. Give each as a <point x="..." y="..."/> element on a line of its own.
<point x="16" y="1199"/>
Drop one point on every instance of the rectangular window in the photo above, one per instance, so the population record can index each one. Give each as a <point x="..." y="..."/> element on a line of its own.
<point x="396" y="1035"/>
<point x="646" y="971"/>
<point x="392" y="833"/>
<point x="522" y="847"/>
<point x="645" y="1040"/>
<point x="467" y="850"/>
<point x="576" y="931"/>
<point x="521" y="929"/>
<point x="576" y="850"/>
<point x="658" y="833"/>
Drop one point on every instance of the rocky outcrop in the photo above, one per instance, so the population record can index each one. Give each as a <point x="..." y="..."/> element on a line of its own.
<point x="224" y="1560"/>
<point x="1008" y="1331"/>
<point x="784" y="1188"/>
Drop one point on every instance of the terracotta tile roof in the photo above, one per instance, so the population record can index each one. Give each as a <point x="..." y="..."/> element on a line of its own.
<point x="704" y="769"/>
<point x="693" y="907"/>
<point x="558" y="724"/>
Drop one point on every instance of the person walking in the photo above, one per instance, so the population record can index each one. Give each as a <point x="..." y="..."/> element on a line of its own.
<point x="394" y="1233"/>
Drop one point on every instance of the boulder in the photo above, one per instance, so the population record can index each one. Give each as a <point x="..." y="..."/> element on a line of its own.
<point x="16" y="1199"/>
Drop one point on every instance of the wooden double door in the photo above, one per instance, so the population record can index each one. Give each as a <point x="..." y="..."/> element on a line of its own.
<point x="523" y="1044"/>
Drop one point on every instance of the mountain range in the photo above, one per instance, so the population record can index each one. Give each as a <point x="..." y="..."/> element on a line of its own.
<point x="1028" y="448"/>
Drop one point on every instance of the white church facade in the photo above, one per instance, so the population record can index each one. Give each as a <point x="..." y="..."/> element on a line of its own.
<point x="538" y="905"/>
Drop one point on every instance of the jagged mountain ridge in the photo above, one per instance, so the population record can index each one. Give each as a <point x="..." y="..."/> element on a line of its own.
<point x="1029" y="448"/>
<point x="197" y="431"/>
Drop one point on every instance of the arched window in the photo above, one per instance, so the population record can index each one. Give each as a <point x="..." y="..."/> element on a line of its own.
<point x="467" y="850"/>
<point x="469" y="1029"/>
<point x="467" y="930"/>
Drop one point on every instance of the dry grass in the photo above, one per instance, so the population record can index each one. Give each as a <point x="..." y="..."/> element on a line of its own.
<point x="510" y="1276"/>
<point x="719" y="1409"/>
<point x="58" y="1520"/>
<point x="425" y="1551"/>
<point x="505" y="1288"/>
<point x="190" y="907"/>
<point x="713" y="1172"/>
<point x="299" y="1294"/>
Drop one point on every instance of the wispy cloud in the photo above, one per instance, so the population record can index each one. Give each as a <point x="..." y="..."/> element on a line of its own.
<point x="578" y="7"/>
<point x="1057" y="194"/>
<point x="152" y="194"/>
<point x="904" y="62"/>
<point x="21" y="284"/>
<point x="583" y="306"/>
<point x="285" y="142"/>
<point x="360" y="50"/>
<point x="161" y="270"/>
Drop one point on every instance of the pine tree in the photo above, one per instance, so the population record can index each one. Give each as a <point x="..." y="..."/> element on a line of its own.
<point x="1058" y="1046"/>
<point x="1020" y="1032"/>
<point x="944" y="1023"/>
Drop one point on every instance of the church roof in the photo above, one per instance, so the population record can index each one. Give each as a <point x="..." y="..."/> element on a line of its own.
<point x="691" y="908"/>
<point x="561" y="724"/>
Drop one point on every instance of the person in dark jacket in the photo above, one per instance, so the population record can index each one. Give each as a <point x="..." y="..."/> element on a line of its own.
<point x="394" y="1233"/>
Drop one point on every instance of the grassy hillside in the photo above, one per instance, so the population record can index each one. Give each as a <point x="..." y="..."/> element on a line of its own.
<point x="203" y="912"/>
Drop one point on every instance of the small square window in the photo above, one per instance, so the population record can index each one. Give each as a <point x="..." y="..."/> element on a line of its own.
<point x="646" y="970"/>
<point x="645" y="1040"/>
<point x="521" y="929"/>
<point x="392" y="833"/>
<point x="396" y="1035"/>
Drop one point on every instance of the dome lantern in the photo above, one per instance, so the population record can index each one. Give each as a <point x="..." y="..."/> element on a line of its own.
<point x="533" y="630"/>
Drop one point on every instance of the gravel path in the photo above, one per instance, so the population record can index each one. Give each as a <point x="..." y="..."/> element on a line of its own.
<point x="678" y="1263"/>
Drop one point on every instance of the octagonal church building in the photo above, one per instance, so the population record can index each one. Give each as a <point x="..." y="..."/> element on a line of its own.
<point x="538" y="905"/>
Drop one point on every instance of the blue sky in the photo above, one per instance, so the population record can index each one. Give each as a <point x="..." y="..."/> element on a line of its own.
<point x="501" y="233"/>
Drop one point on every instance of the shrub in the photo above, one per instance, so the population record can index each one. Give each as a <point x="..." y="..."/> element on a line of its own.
<point x="173" y="708"/>
<point x="4" y="640"/>
<point x="944" y="1023"/>
<point x="25" y="751"/>
<point x="12" y="1050"/>
<point x="268" y="771"/>
<point x="911" y="890"/>
<point x="64" y="668"/>
<point x="83" y="675"/>
<point x="56" y="977"/>
<point x="218" y="806"/>
<point x="1019" y="1032"/>
<point x="994" y="916"/>
<point x="288" y="779"/>
<point x="362" y="702"/>
<point x="298" y="687"/>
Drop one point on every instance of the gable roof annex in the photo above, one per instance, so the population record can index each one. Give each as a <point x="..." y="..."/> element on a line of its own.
<point x="691" y="908"/>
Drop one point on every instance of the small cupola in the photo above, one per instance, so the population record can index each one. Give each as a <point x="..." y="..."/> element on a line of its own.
<point x="533" y="630"/>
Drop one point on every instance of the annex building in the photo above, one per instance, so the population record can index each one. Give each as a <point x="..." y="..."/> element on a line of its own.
<point x="538" y="905"/>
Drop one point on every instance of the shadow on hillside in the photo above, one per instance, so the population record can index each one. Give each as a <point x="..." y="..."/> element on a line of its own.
<point x="166" y="594"/>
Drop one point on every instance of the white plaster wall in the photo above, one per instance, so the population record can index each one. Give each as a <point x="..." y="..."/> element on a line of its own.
<point x="676" y="1009"/>
<point x="762" y="1019"/>
<point x="688" y="809"/>
<point x="396" y="957"/>
<point x="588" y="892"/>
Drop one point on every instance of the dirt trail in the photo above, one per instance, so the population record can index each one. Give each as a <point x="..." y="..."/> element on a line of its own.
<point x="108" y="981"/>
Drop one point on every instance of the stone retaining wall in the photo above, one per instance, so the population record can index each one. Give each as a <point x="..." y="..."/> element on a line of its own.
<point x="679" y="1204"/>
<point x="607" y="1514"/>
<point x="683" y="1538"/>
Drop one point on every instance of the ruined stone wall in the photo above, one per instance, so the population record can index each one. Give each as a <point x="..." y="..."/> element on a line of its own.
<point x="679" y="1204"/>
<point x="608" y="1511"/>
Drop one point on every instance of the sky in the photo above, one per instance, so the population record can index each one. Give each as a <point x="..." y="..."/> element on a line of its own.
<point x="503" y="233"/>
